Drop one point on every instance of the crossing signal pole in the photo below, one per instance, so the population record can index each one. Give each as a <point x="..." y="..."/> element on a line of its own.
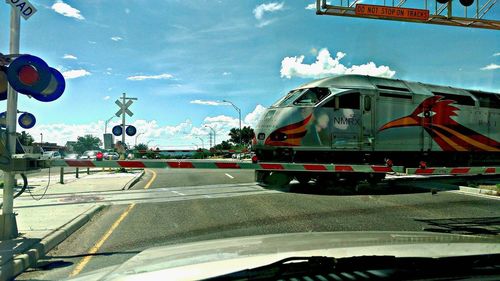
<point x="124" y="105"/>
<point x="9" y="224"/>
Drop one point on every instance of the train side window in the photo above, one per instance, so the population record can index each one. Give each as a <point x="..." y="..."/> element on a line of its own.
<point x="349" y="100"/>
<point x="459" y="99"/>
<point x="487" y="99"/>
<point x="367" y="103"/>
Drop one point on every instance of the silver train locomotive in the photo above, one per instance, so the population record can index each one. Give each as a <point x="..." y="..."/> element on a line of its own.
<point x="368" y="120"/>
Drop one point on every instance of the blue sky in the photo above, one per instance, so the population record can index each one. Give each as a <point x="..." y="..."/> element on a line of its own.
<point x="174" y="56"/>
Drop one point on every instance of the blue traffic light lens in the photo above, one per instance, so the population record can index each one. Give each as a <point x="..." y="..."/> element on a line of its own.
<point x="130" y="130"/>
<point x="117" y="130"/>
<point x="27" y="120"/>
<point x="54" y="90"/>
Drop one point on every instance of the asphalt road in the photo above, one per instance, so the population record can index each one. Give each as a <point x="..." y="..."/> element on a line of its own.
<point x="210" y="204"/>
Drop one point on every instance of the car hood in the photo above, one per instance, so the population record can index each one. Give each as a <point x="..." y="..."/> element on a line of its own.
<point x="211" y="258"/>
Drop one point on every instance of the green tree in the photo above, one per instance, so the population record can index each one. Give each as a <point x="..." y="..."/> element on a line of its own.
<point x="224" y="145"/>
<point x="247" y="134"/>
<point x="25" y="138"/>
<point x="141" y="146"/>
<point x="87" y="142"/>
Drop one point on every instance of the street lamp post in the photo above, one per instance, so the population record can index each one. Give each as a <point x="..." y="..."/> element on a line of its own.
<point x="213" y="132"/>
<point x="41" y="139"/>
<point x="136" y="138"/>
<point x="106" y="124"/>
<point x="239" y="116"/>
<point x="202" y="143"/>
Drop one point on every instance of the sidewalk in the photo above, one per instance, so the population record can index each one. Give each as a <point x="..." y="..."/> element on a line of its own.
<point x="42" y="226"/>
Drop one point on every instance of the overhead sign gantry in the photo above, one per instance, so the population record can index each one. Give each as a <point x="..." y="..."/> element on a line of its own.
<point x="463" y="13"/>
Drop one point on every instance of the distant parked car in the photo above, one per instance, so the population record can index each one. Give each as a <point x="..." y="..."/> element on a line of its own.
<point x="111" y="156"/>
<point x="72" y="156"/>
<point x="89" y="154"/>
<point x="51" y="155"/>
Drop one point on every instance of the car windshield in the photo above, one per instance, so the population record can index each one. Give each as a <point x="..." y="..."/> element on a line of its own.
<point x="267" y="122"/>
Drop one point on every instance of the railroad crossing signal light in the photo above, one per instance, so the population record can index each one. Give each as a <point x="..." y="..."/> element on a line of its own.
<point x="27" y="120"/>
<point x="131" y="130"/>
<point x="465" y="3"/>
<point x="30" y="75"/>
<point x="117" y="130"/>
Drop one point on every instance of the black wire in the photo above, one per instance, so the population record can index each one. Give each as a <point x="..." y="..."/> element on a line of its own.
<point x="44" y="192"/>
<point x="25" y="184"/>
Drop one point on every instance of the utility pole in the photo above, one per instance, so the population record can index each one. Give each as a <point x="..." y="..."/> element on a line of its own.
<point x="8" y="219"/>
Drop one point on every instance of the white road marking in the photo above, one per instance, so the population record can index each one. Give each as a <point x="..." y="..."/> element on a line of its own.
<point x="178" y="193"/>
<point x="229" y="176"/>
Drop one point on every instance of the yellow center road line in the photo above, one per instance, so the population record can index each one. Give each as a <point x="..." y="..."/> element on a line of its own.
<point x="81" y="265"/>
<point x="150" y="182"/>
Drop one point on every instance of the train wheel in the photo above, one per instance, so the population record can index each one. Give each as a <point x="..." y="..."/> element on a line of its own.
<point x="277" y="179"/>
<point x="303" y="179"/>
<point x="260" y="176"/>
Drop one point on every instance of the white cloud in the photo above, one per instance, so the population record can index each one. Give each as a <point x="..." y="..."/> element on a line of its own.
<point x="264" y="23"/>
<point x="116" y="38"/>
<point x="92" y="42"/>
<point x="496" y="54"/>
<point x="176" y="136"/>
<point x="312" y="6"/>
<point x="207" y="102"/>
<point x="106" y="98"/>
<point x="150" y="77"/>
<point x="226" y="73"/>
<point x="127" y="11"/>
<point x="260" y="10"/>
<point x="66" y="10"/>
<point x="253" y="117"/>
<point x="325" y="65"/>
<point x="491" y="66"/>
<point x="71" y="74"/>
<point x="69" y="57"/>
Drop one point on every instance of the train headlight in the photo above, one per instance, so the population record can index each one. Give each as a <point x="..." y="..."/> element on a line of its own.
<point x="278" y="136"/>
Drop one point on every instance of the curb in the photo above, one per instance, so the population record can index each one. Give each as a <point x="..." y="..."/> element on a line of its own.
<point x="478" y="191"/>
<point x="134" y="180"/>
<point x="23" y="261"/>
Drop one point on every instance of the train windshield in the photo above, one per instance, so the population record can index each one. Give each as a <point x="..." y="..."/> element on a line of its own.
<point x="303" y="97"/>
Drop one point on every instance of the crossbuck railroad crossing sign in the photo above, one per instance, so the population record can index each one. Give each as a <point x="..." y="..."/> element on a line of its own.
<point x="124" y="108"/>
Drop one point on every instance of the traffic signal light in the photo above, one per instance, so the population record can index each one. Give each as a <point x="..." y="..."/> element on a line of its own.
<point x="30" y="75"/>
<point x="465" y="3"/>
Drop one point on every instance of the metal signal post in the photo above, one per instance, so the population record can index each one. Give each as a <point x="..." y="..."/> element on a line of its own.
<point x="124" y="104"/>
<point x="9" y="225"/>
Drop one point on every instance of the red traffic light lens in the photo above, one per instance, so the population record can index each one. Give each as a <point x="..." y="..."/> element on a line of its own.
<point x="28" y="75"/>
